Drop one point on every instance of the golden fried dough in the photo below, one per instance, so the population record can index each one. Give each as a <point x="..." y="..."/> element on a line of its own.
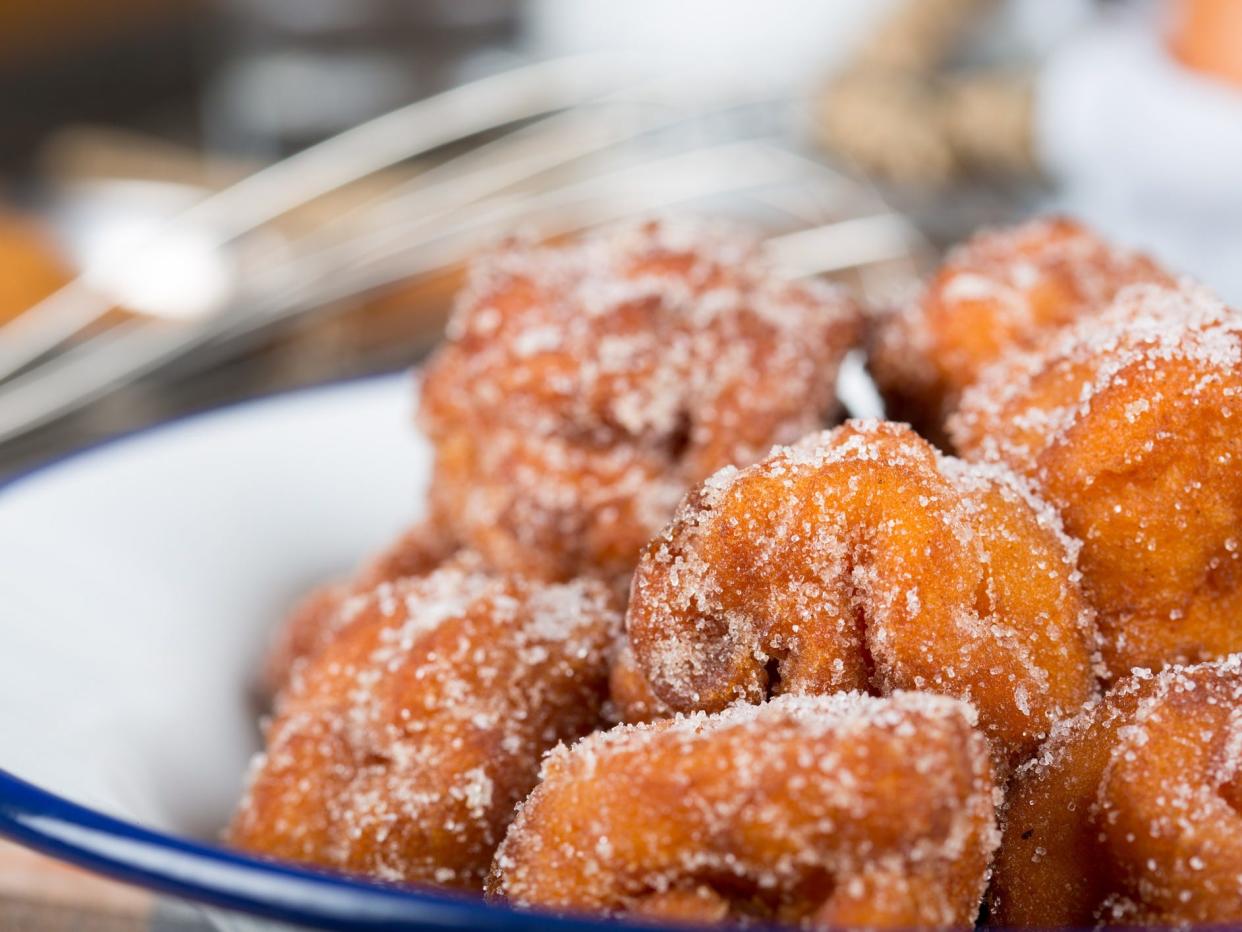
<point x="584" y="387"/>
<point x="1129" y="814"/>
<point x="861" y="559"/>
<point x="1130" y="424"/>
<point x="1004" y="290"/>
<point x="401" y="750"/>
<point x="822" y="811"/>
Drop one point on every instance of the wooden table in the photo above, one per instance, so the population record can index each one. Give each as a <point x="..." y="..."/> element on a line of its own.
<point x="38" y="893"/>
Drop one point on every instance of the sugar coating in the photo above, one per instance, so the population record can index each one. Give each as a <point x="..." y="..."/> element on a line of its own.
<point x="585" y="386"/>
<point x="401" y="750"/>
<point x="1003" y="290"/>
<point x="1144" y="328"/>
<point x="862" y="559"/>
<point x="814" y="810"/>
<point x="1129" y="813"/>
<point x="1129" y="424"/>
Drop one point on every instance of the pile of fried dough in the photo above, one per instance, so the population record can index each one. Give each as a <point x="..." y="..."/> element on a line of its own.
<point x="670" y="645"/>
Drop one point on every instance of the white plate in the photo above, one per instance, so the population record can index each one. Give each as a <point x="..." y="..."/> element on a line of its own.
<point x="141" y="580"/>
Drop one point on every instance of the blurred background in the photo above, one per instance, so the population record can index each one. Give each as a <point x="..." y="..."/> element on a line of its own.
<point x="881" y="130"/>
<point x="207" y="200"/>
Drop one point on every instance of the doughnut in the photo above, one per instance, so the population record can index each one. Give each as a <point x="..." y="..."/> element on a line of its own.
<point x="1130" y="813"/>
<point x="862" y="559"/>
<point x="317" y="617"/>
<point x="401" y="751"/>
<point x="819" y="811"/>
<point x="1130" y="425"/>
<point x="1003" y="290"/>
<point x="585" y="386"/>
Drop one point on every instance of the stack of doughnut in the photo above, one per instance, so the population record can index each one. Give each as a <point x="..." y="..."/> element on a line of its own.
<point x="676" y="643"/>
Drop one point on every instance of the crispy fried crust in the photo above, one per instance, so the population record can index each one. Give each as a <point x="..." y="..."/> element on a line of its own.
<point x="862" y="559"/>
<point x="1129" y="814"/>
<point x="402" y="749"/>
<point x="585" y="387"/>
<point x="825" y="811"/>
<point x="1130" y="424"/>
<point x="1004" y="290"/>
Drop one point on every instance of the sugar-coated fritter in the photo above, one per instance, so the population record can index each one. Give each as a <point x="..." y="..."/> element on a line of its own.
<point x="1130" y="813"/>
<point x="585" y="386"/>
<point x="862" y="559"/>
<point x="1003" y="290"/>
<point x="402" y="749"/>
<point x="1130" y="424"/>
<point x="315" y="619"/>
<point x="820" y="811"/>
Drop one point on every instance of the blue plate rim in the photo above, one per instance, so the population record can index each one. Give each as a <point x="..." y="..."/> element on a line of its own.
<point x="227" y="879"/>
